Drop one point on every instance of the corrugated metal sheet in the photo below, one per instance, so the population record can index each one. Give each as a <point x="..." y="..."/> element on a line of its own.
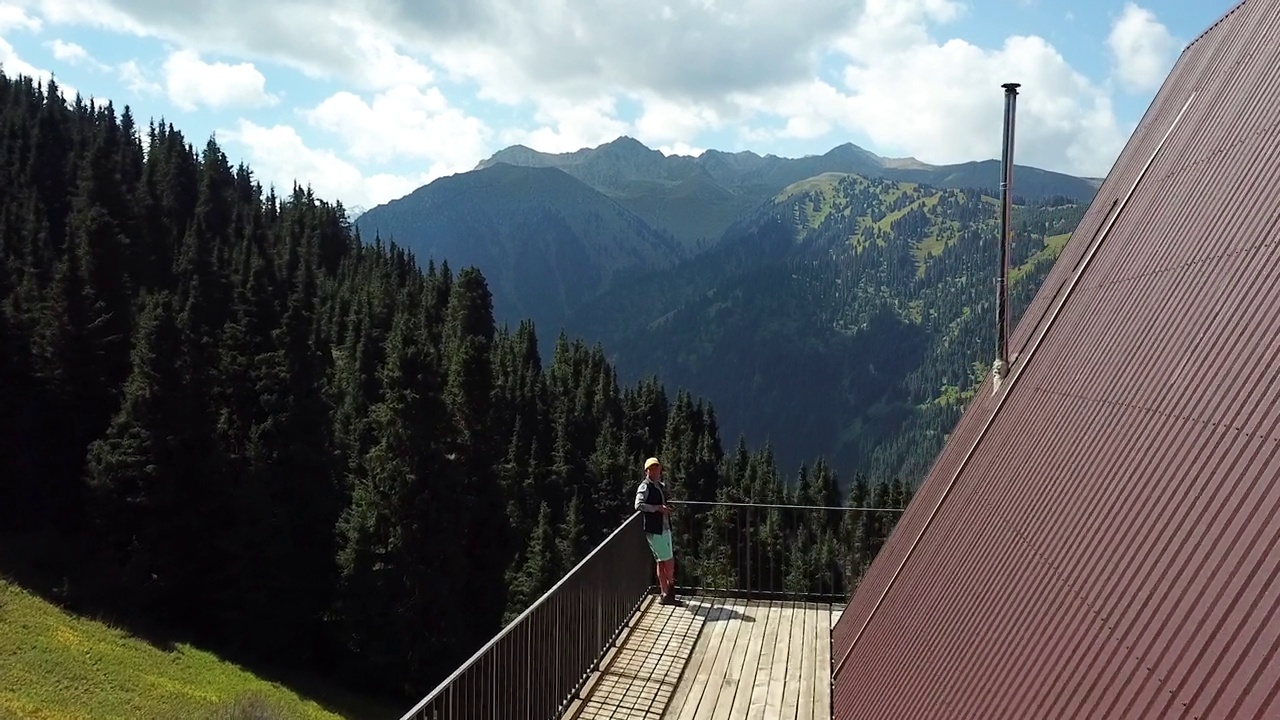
<point x="1098" y="539"/>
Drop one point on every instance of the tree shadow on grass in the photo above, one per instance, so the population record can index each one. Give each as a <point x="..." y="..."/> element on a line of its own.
<point x="71" y="573"/>
<point x="68" y="573"/>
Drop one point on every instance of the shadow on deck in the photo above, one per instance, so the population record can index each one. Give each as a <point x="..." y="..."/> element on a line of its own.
<point x="716" y="658"/>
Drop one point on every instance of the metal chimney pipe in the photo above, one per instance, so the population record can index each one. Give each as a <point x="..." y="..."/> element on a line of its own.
<point x="1006" y="183"/>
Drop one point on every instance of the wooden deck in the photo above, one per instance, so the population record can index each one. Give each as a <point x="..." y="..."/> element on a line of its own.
<point x="717" y="659"/>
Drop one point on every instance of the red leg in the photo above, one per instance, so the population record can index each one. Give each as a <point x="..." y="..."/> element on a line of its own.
<point x="667" y="576"/>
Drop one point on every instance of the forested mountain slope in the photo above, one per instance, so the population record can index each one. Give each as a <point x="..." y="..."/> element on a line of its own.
<point x="546" y="242"/>
<point x="849" y="317"/>
<point x="837" y="304"/>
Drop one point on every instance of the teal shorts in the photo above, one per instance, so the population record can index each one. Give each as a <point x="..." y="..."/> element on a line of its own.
<point x="660" y="545"/>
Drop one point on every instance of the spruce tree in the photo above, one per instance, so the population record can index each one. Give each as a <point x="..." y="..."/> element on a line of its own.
<point x="538" y="569"/>
<point x="485" y="539"/>
<point x="571" y="545"/>
<point x="398" y="581"/>
<point x="142" y="504"/>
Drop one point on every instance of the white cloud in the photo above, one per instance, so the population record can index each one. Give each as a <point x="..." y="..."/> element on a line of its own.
<point x="73" y="54"/>
<point x="1063" y="119"/>
<point x="14" y="65"/>
<point x="404" y="122"/>
<point x="1142" y="49"/>
<point x="664" y="121"/>
<point x="279" y="156"/>
<point x="132" y="75"/>
<point x="892" y="26"/>
<point x="941" y="101"/>
<point x="379" y="64"/>
<point x="682" y="49"/>
<point x="681" y="149"/>
<point x="191" y="82"/>
<point x="801" y="69"/>
<point x="13" y="17"/>
<point x="67" y="52"/>
<point x="326" y="38"/>
<point x="566" y="125"/>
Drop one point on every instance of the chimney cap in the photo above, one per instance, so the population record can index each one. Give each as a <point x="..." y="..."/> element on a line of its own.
<point x="1011" y="86"/>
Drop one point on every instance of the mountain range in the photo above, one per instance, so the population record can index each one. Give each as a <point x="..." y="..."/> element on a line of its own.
<point x="795" y="293"/>
<point x="697" y="198"/>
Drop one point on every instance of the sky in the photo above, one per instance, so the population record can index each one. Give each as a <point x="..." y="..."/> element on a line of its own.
<point x="367" y="100"/>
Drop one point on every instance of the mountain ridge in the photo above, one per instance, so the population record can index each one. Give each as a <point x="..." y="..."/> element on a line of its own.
<point x="547" y="241"/>
<point x="652" y="184"/>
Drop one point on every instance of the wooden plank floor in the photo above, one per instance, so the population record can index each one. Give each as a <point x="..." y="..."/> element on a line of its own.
<point x="718" y="659"/>
<point x="638" y="681"/>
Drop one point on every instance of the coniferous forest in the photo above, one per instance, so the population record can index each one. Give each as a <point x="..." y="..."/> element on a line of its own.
<point x="229" y="419"/>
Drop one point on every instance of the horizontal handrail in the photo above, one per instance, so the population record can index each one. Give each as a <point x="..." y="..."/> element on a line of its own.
<point x="814" y="553"/>
<point x="788" y="507"/>
<point x="543" y="605"/>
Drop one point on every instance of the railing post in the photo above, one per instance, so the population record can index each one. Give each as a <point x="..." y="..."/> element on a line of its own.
<point x="748" y="550"/>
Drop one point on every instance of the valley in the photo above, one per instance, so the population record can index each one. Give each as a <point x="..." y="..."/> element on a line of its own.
<point x="838" y="305"/>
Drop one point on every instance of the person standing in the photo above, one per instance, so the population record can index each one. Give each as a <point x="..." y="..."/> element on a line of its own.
<point x="651" y="500"/>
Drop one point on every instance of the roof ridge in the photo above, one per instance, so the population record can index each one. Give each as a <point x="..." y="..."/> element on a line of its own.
<point x="1215" y="24"/>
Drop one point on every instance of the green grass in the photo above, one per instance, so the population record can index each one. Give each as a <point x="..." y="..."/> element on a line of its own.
<point x="1052" y="249"/>
<point x="1055" y="243"/>
<point x="824" y="183"/>
<point x="925" y="202"/>
<point x="55" y="665"/>
<point x="822" y="192"/>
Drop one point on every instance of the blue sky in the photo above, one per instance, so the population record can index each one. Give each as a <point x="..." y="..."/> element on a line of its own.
<point x="366" y="106"/>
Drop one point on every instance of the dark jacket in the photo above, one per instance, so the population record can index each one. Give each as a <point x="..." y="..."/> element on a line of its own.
<point x="650" y="497"/>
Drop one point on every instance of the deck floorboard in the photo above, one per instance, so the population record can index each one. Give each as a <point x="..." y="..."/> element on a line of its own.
<point x="717" y="659"/>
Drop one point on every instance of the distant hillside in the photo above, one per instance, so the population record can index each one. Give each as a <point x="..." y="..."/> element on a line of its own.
<point x="729" y="273"/>
<point x="545" y="241"/>
<point x="697" y="199"/>
<point x="848" y="317"/>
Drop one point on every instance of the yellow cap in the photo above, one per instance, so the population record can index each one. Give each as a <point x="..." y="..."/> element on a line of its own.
<point x="651" y="462"/>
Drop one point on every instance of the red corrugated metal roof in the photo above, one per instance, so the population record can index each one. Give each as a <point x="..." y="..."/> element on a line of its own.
<point x="1098" y="538"/>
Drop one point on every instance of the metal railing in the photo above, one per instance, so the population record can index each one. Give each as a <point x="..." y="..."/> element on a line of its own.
<point x="540" y="661"/>
<point x="798" y="552"/>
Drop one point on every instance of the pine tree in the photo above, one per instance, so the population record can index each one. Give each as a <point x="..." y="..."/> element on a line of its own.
<point x="141" y="503"/>
<point x="571" y="545"/>
<point x="716" y="564"/>
<point x="397" y="587"/>
<point x="538" y="568"/>
<point x="800" y="570"/>
<point x="485" y="537"/>
<point x="679" y="446"/>
<point x="611" y="490"/>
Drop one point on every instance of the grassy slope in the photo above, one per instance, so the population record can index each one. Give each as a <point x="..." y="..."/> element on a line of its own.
<point x="823" y="194"/>
<point x="1052" y="249"/>
<point x="57" y="665"/>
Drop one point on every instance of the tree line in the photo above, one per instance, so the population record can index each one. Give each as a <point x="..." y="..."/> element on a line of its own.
<point x="231" y="420"/>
